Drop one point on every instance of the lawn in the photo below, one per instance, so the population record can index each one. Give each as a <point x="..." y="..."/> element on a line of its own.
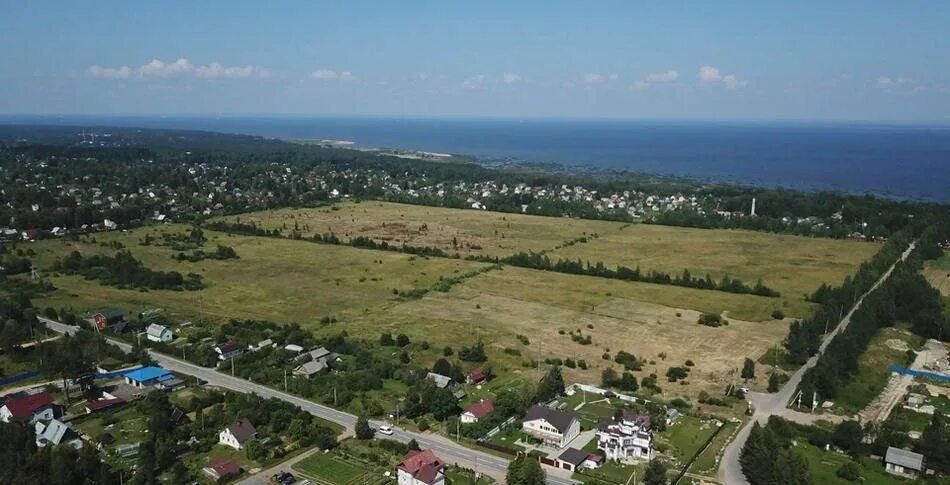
<point x="460" y="476"/>
<point x="328" y="468"/>
<point x="612" y="471"/>
<point x="687" y="436"/>
<point x="823" y="466"/>
<point x="278" y="280"/>
<point x="793" y="265"/>
<point x="885" y="349"/>
<point x="706" y="463"/>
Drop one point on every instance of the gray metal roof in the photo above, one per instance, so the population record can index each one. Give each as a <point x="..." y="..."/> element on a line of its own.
<point x="156" y="330"/>
<point x="904" y="458"/>
<point x="441" y="381"/>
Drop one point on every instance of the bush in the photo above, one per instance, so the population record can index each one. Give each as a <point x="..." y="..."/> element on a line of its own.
<point x="711" y="320"/>
<point x="423" y="424"/>
<point x="850" y="471"/>
<point x="778" y="315"/>
<point x="676" y="373"/>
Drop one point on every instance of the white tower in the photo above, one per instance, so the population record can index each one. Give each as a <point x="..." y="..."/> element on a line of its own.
<point x="753" y="208"/>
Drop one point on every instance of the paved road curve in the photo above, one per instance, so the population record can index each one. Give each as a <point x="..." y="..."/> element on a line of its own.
<point x="445" y="448"/>
<point x="730" y="471"/>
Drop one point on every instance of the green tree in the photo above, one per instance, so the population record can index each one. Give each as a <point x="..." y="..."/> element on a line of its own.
<point x="608" y="377"/>
<point x="774" y="384"/>
<point x="791" y="468"/>
<point x="748" y="368"/>
<point x="847" y="436"/>
<point x="935" y="443"/>
<point x="363" y="431"/>
<point x="655" y="474"/>
<point x="551" y="385"/>
<point x="525" y="471"/>
<point x="386" y="339"/>
<point x="628" y="382"/>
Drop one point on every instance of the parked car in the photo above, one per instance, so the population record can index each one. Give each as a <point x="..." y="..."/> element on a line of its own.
<point x="384" y="429"/>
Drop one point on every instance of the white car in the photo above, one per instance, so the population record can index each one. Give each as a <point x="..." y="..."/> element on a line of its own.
<point x="386" y="430"/>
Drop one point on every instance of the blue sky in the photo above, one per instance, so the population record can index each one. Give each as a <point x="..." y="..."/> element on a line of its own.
<point x="840" y="60"/>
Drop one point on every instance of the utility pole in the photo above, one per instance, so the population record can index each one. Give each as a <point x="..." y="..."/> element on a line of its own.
<point x="285" y="380"/>
<point x="232" y="366"/>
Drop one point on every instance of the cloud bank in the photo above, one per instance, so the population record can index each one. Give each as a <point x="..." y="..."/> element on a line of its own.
<point x="181" y="67"/>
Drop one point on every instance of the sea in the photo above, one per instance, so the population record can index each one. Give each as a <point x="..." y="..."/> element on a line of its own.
<point x="900" y="161"/>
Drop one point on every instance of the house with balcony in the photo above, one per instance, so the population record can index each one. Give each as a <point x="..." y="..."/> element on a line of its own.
<point x="627" y="438"/>
<point x="552" y="427"/>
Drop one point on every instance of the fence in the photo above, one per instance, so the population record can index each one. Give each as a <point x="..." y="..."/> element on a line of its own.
<point x="601" y="391"/>
<point x="497" y="429"/>
<point x="700" y="451"/>
<point x="918" y="373"/>
<point x="19" y="377"/>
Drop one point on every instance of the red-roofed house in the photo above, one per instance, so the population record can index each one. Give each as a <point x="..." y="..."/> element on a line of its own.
<point x="99" y="404"/>
<point x="475" y="411"/>
<point x="421" y="468"/>
<point x="476" y="376"/>
<point x="222" y="468"/>
<point x="28" y="407"/>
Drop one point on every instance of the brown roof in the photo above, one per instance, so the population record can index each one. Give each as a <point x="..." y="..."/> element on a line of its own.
<point x="224" y="467"/>
<point x="423" y="465"/>
<point x="481" y="409"/>
<point x="242" y="430"/>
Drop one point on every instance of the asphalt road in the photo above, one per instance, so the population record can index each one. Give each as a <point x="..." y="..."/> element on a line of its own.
<point x="446" y="449"/>
<point x="765" y="405"/>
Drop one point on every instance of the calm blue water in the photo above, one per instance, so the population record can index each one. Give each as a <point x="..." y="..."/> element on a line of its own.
<point x="901" y="161"/>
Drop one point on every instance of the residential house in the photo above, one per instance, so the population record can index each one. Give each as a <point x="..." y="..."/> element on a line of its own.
<point x="221" y="468"/>
<point x="440" y="380"/>
<point x="237" y="433"/>
<point x="147" y="376"/>
<point x="421" y="468"/>
<point x="475" y="411"/>
<point x="293" y="348"/>
<point x="28" y="406"/>
<point x="903" y="462"/>
<point x="105" y="402"/>
<point x="109" y="318"/>
<point x="628" y="438"/>
<point x="55" y="432"/>
<point x="552" y="427"/>
<point x="477" y="376"/>
<point x="30" y="234"/>
<point x="228" y="350"/>
<point x="159" y="333"/>
<point x="311" y="368"/>
<point x="263" y="344"/>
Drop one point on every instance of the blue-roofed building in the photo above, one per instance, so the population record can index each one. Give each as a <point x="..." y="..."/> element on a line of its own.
<point x="147" y="376"/>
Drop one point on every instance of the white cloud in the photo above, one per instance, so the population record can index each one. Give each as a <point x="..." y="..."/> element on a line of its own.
<point x="594" y="78"/>
<point x="181" y="66"/>
<point x="712" y="75"/>
<point x="477" y="81"/>
<point x="510" y="78"/>
<point x="709" y="74"/>
<point x="423" y="76"/>
<point x="887" y="82"/>
<point x="663" y="77"/>
<point x="641" y="85"/>
<point x="331" y="75"/>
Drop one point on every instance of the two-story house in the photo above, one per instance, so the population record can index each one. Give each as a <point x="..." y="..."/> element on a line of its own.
<point x="421" y="468"/>
<point x="237" y="433"/>
<point x="552" y="427"/>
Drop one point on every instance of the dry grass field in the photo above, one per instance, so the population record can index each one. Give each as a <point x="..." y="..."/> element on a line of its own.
<point x="278" y="280"/>
<point x="297" y="281"/>
<point x="475" y="232"/>
<point x="793" y="265"/>
<point x="500" y="305"/>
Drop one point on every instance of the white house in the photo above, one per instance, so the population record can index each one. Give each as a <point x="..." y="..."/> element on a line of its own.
<point x="159" y="333"/>
<point x="903" y="462"/>
<point x="552" y="427"/>
<point x="228" y="350"/>
<point x="237" y="433"/>
<point x="421" y="468"/>
<point x="627" y="438"/>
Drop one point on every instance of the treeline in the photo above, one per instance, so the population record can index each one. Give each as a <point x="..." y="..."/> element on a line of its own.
<point x="768" y="457"/>
<point x="905" y="297"/>
<point x="124" y="271"/>
<point x="21" y="461"/>
<point x="804" y="337"/>
<point x="221" y="253"/>
<point x="542" y="262"/>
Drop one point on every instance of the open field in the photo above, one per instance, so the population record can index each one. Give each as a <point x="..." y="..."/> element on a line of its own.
<point x="823" y="466"/>
<point x="937" y="273"/>
<point x="792" y="265"/>
<point x="502" y="304"/>
<point x="328" y="468"/>
<point x="474" y="232"/>
<point x="278" y="280"/>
